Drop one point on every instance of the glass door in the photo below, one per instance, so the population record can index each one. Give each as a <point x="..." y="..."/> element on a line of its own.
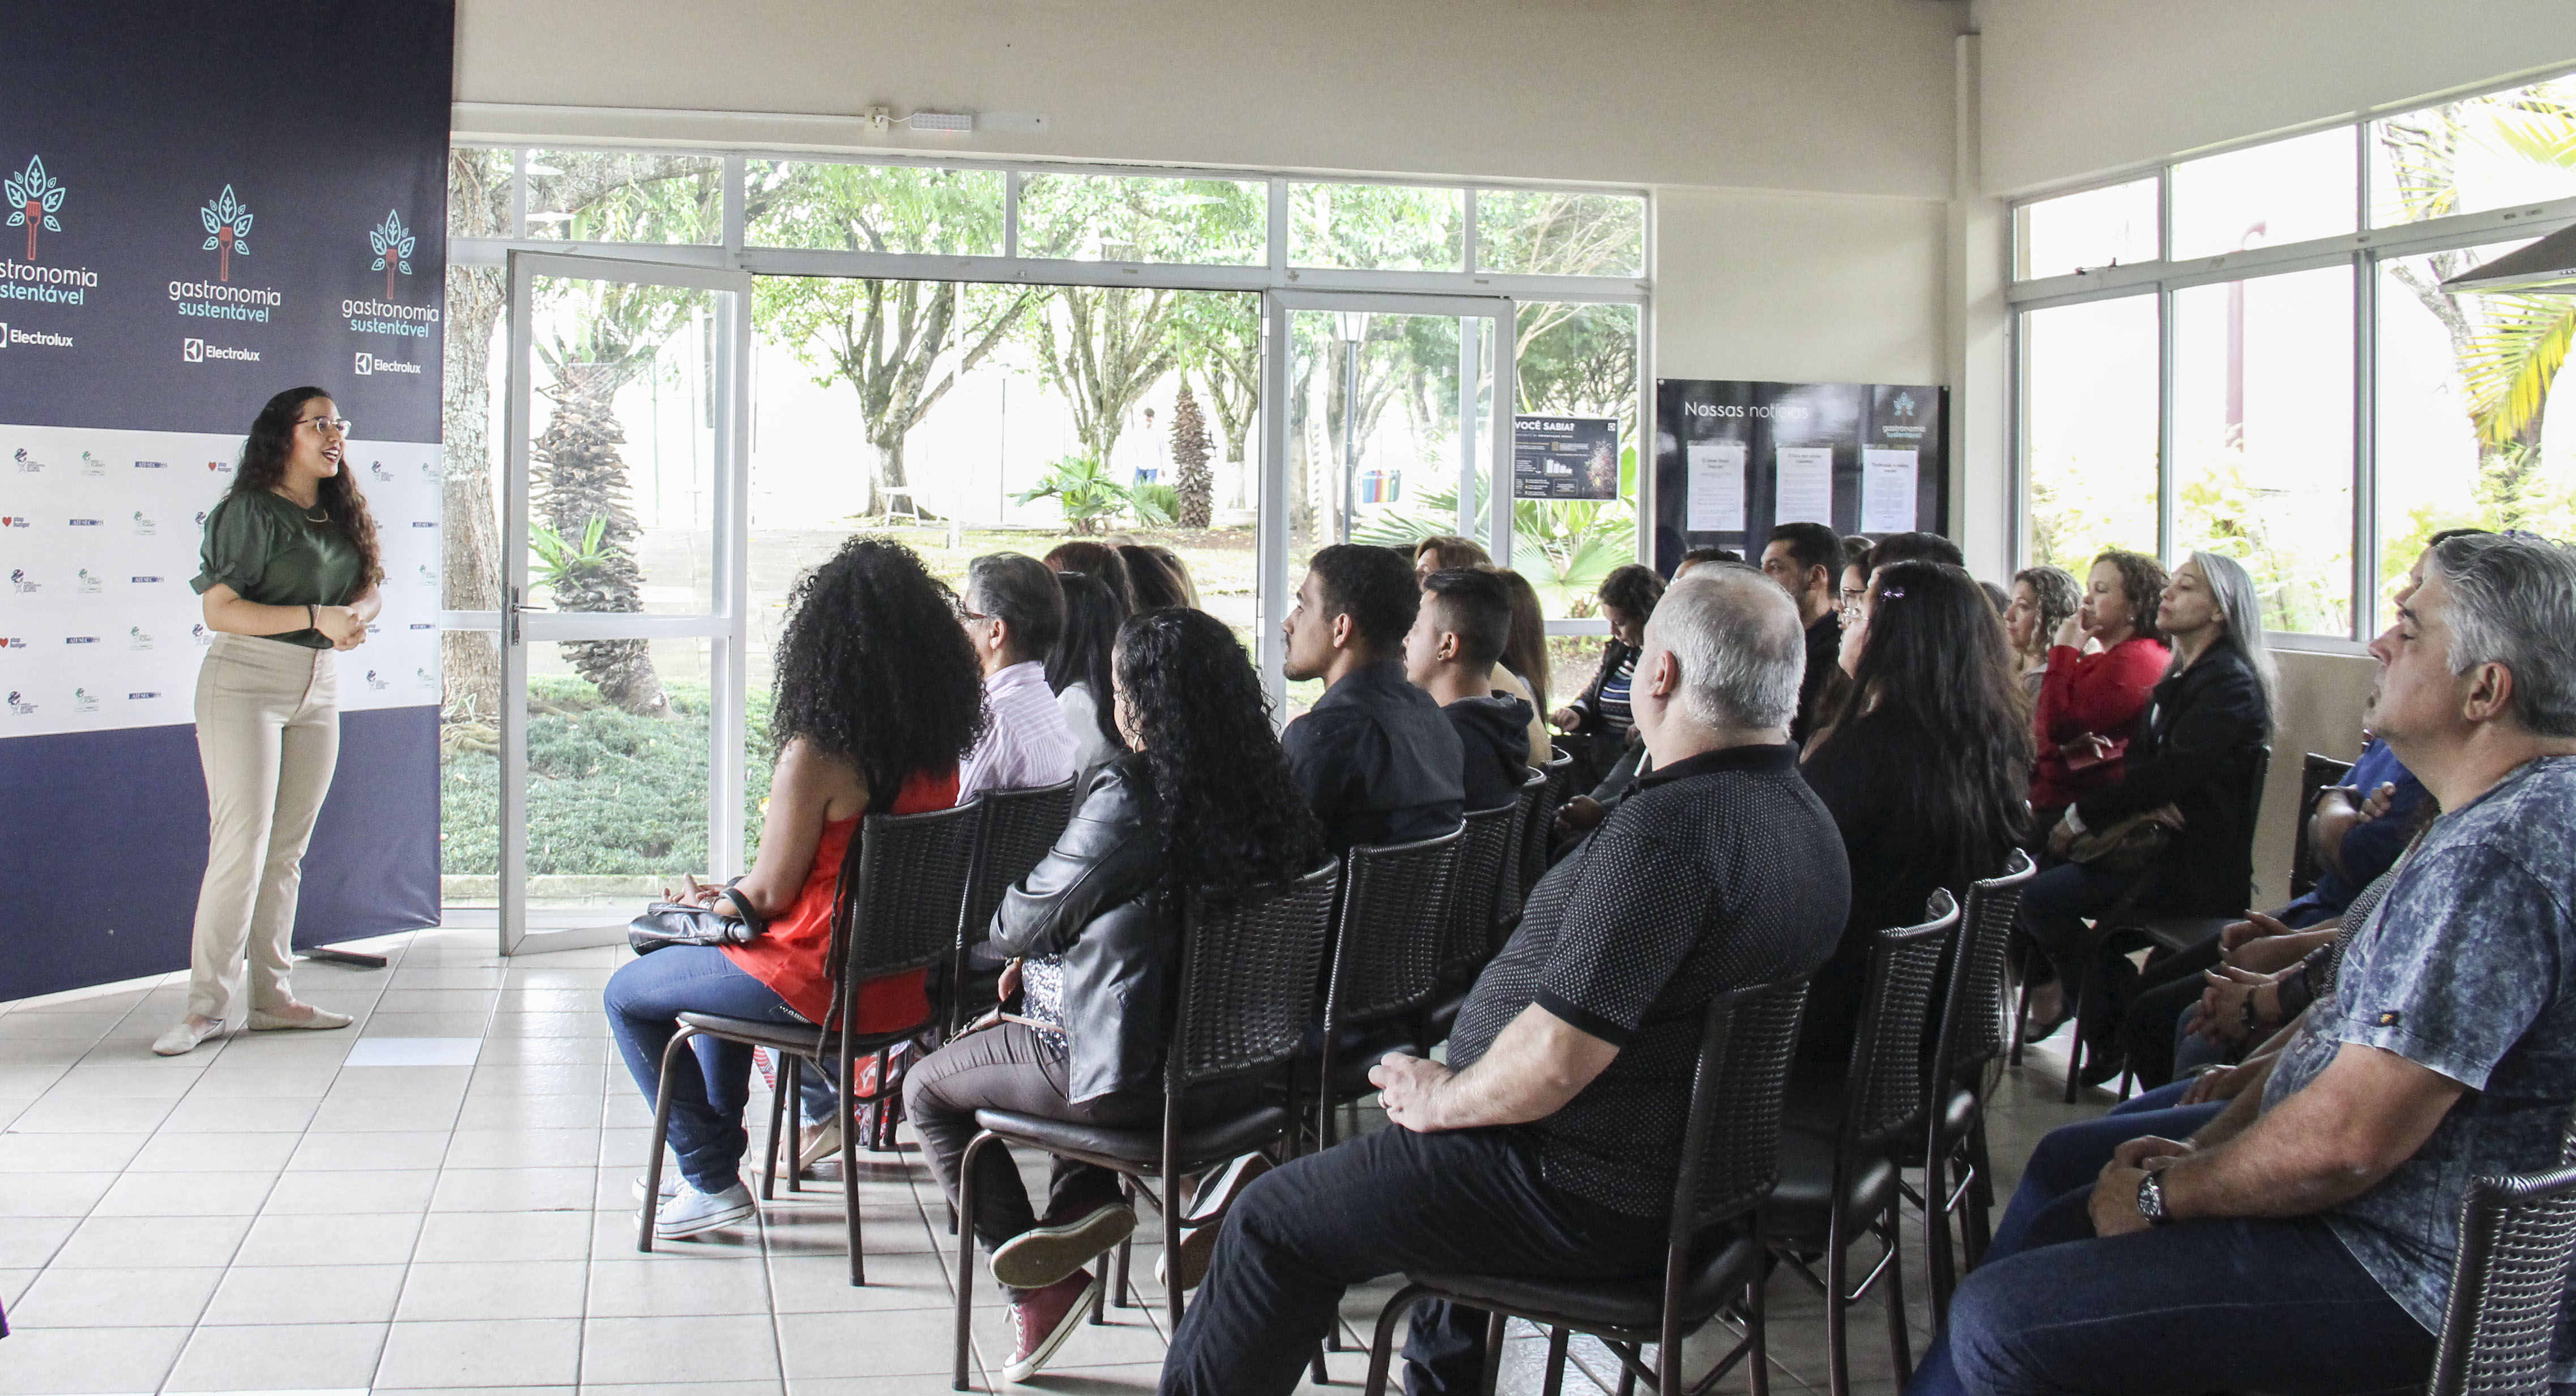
<point x="1389" y="435"/>
<point x="621" y="635"/>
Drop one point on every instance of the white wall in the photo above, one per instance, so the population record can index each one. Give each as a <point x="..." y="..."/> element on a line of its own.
<point x="1839" y="95"/>
<point x="1799" y="288"/>
<point x="2080" y="87"/>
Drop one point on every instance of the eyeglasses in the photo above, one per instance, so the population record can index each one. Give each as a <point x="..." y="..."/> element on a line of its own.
<point x="338" y="424"/>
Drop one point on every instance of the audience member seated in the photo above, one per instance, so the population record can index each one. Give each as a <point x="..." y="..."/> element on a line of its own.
<point x="1598" y="724"/>
<point x="1444" y="552"/>
<point x="2303" y="1239"/>
<point x="1696" y="556"/>
<point x="2042" y="600"/>
<point x="1150" y="572"/>
<point x="1922" y="769"/>
<point x="1801" y="557"/>
<point x="1014" y="611"/>
<point x="1546" y="1146"/>
<point x="1856" y="548"/>
<point x="2190" y="769"/>
<point x="1078" y="670"/>
<point x="1097" y="560"/>
<point x="1914" y="547"/>
<point x="1450" y="654"/>
<point x="877" y="701"/>
<point x="2103" y="662"/>
<point x="1377" y="761"/>
<point x="1524" y="670"/>
<point x="1204" y="807"/>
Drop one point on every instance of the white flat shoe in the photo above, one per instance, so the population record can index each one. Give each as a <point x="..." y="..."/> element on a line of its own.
<point x="261" y="1020"/>
<point x="182" y="1039"/>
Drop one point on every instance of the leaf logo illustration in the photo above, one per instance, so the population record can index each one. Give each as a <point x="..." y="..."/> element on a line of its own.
<point x="393" y="244"/>
<point x="227" y="230"/>
<point x="33" y="197"/>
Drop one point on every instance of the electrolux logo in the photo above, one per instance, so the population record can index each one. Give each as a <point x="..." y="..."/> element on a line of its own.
<point x="367" y="363"/>
<point x="227" y="231"/>
<point x="198" y="351"/>
<point x="34" y="197"/>
<point x="42" y="339"/>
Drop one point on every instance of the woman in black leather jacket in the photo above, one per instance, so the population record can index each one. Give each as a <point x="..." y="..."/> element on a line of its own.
<point x="1203" y="804"/>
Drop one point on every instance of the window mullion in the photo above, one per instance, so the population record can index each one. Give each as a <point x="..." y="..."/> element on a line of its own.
<point x="2364" y="618"/>
<point x="2168" y="534"/>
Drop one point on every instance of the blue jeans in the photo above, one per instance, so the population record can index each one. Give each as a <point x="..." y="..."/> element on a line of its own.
<point x="711" y="1082"/>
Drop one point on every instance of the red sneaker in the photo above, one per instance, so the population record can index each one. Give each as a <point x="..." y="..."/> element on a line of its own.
<point x="1043" y="1319"/>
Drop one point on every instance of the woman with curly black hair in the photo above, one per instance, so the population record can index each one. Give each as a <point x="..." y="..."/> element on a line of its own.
<point x="1205" y="807"/>
<point x="878" y="698"/>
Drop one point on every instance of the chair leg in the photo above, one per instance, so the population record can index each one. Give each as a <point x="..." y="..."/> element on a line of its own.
<point x="1324" y="1094"/>
<point x="791" y="1079"/>
<point x="966" y="1257"/>
<point x="661" y="1138"/>
<point x="1978" y="1230"/>
<point x="1493" y="1352"/>
<point x="2021" y="1015"/>
<point x="1382" y="1346"/>
<point x="1898" y="1347"/>
<point x="1126" y="1247"/>
<point x="778" y="1098"/>
<point x="850" y="1182"/>
<point x="2082" y="988"/>
<point x="1170" y="1207"/>
<point x="1937" y="1255"/>
<point x="1757" y="1373"/>
<point x="1627" y="1373"/>
<point x="1555" y="1380"/>
<point x="1837" y="1310"/>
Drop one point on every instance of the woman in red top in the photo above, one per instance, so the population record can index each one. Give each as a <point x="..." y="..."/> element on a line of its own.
<point x="879" y="696"/>
<point x="2107" y="658"/>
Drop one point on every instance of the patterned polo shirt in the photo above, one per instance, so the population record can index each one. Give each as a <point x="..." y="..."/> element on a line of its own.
<point x="1720" y="872"/>
<point x="2468" y="967"/>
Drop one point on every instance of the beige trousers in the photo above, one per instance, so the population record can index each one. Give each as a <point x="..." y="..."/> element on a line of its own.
<point x="268" y="731"/>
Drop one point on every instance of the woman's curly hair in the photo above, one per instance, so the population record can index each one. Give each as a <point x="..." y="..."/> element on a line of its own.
<point x="1232" y="816"/>
<point x="263" y="463"/>
<point x="874" y="669"/>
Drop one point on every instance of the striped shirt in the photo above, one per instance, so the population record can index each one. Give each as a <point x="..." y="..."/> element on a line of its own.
<point x="1025" y="741"/>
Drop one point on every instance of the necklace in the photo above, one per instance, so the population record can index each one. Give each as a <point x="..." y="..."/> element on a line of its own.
<point x="323" y="517"/>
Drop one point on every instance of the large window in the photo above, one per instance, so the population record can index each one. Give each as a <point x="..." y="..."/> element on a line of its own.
<point x="2247" y="405"/>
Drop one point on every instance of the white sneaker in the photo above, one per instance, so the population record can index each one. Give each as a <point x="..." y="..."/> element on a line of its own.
<point x="182" y="1038"/>
<point x="690" y="1212"/>
<point x="670" y="1187"/>
<point x="314" y="1019"/>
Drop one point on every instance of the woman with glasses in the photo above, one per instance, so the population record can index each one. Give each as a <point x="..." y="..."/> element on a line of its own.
<point x="290" y="577"/>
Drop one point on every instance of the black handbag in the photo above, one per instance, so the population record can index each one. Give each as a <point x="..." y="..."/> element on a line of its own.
<point x="675" y="923"/>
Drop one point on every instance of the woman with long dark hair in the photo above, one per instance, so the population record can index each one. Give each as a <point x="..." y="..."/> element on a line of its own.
<point x="878" y="698"/>
<point x="1078" y="669"/>
<point x="1155" y="583"/>
<point x="1524" y="670"/>
<point x="1099" y="560"/>
<point x="290" y="577"/>
<point x="1205" y="807"/>
<point x="1924" y="767"/>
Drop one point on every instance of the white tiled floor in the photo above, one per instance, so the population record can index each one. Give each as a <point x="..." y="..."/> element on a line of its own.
<point x="275" y="1214"/>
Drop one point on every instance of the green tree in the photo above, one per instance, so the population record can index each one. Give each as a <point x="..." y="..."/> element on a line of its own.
<point x="1104" y="348"/>
<point x="899" y="345"/>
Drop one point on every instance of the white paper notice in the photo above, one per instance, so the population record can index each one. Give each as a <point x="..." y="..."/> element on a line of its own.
<point x="1805" y="489"/>
<point x="1716" y="487"/>
<point x="1887" y="489"/>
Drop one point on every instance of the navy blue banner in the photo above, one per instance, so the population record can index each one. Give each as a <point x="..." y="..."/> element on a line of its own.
<point x="204" y="203"/>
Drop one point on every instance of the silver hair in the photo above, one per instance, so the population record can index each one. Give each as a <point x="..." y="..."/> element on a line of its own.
<point x="1741" y="649"/>
<point x="2513" y="602"/>
<point x="2242" y="605"/>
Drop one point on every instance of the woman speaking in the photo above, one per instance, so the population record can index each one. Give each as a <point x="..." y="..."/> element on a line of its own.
<point x="290" y="574"/>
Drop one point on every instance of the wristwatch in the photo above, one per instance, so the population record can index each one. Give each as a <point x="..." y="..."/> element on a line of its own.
<point x="2151" y="1200"/>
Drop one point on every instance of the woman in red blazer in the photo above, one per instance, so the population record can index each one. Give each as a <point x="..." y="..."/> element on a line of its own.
<point x="2106" y="660"/>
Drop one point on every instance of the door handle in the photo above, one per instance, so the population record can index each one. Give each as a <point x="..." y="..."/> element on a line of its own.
<point x="510" y="614"/>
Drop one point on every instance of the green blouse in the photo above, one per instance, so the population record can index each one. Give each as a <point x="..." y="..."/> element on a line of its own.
<point x="268" y="549"/>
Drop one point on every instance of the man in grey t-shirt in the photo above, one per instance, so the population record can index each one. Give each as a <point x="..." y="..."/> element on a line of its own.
<point x="2302" y="1242"/>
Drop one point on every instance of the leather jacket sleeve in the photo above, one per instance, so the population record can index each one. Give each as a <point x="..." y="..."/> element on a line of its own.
<point x="1108" y="854"/>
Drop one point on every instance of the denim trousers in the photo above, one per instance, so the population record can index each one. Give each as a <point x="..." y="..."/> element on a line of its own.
<point x="1467" y="1200"/>
<point x="711" y="1082"/>
<point x="2210" y="1305"/>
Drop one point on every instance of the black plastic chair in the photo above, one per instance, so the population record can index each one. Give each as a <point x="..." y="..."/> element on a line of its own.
<point x="1712" y="1259"/>
<point x="896" y="910"/>
<point x="1958" y="1178"/>
<point x="1244" y="1001"/>
<point x="2509" y="1281"/>
<point x="2124" y="919"/>
<point x="1388" y="937"/>
<point x="1540" y="837"/>
<point x="1837" y="1187"/>
<point x="1018" y="829"/>
<point x="1508" y="892"/>
<point x="1484" y="901"/>
<point x="2316" y="774"/>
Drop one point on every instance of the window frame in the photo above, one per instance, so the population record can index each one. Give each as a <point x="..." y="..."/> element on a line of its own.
<point x="2364" y="250"/>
